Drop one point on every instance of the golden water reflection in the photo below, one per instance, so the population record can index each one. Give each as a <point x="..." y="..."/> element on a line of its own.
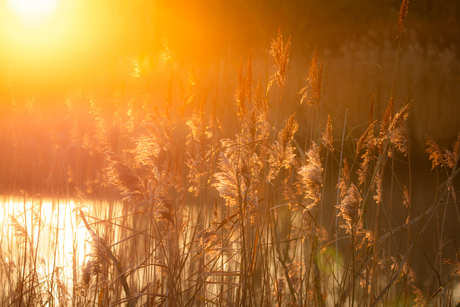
<point x="45" y="229"/>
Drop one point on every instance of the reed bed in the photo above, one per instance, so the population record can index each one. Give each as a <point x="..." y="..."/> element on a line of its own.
<point x="166" y="203"/>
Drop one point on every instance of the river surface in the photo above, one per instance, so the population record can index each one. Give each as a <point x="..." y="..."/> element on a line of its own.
<point x="45" y="229"/>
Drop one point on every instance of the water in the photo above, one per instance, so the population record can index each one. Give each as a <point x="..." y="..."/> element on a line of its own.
<point x="45" y="230"/>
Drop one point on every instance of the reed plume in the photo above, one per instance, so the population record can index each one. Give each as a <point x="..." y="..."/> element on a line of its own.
<point x="159" y="137"/>
<point x="236" y="185"/>
<point x="311" y="176"/>
<point x="397" y="130"/>
<point x="85" y="278"/>
<point x="385" y="125"/>
<point x="402" y="15"/>
<point x="345" y="180"/>
<point x="282" y="152"/>
<point x="122" y="176"/>
<point x="227" y="181"/>
<point x="98" y="256"/>
<point x="280" y="53"/>
<point x="327" y="135"/>
<point x="311" y="93"/>
<point x="367" y="141"/>
<point x="435" y="152"/>
<point x="260" y="101"/>
<point x="350" y="210"/>
<point x="378" y="188"/>
<point x="19" y="230"/>
<point x="450" y="157"/>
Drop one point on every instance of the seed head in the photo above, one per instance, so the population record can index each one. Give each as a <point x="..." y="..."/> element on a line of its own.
<point x="350" y="210"/>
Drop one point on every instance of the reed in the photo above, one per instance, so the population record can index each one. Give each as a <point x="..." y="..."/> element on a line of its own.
<point x="160" y="203"/>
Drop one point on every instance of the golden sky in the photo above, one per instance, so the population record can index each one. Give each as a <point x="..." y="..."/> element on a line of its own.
<point x="64" y="43"/>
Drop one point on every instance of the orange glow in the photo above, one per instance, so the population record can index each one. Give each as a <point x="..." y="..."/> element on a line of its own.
<point x="48" y="45"/>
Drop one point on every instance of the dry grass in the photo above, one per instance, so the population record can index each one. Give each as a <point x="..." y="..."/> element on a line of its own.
<point x="177" y="213"/>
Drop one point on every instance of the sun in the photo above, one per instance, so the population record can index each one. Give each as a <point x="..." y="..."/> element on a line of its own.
<point x="33" y="12"/>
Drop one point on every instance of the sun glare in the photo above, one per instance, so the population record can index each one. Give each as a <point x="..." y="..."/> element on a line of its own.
<point x="33" y="12"/>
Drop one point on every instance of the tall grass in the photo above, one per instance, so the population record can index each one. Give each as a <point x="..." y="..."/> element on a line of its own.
<point x="186" y="201"/>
